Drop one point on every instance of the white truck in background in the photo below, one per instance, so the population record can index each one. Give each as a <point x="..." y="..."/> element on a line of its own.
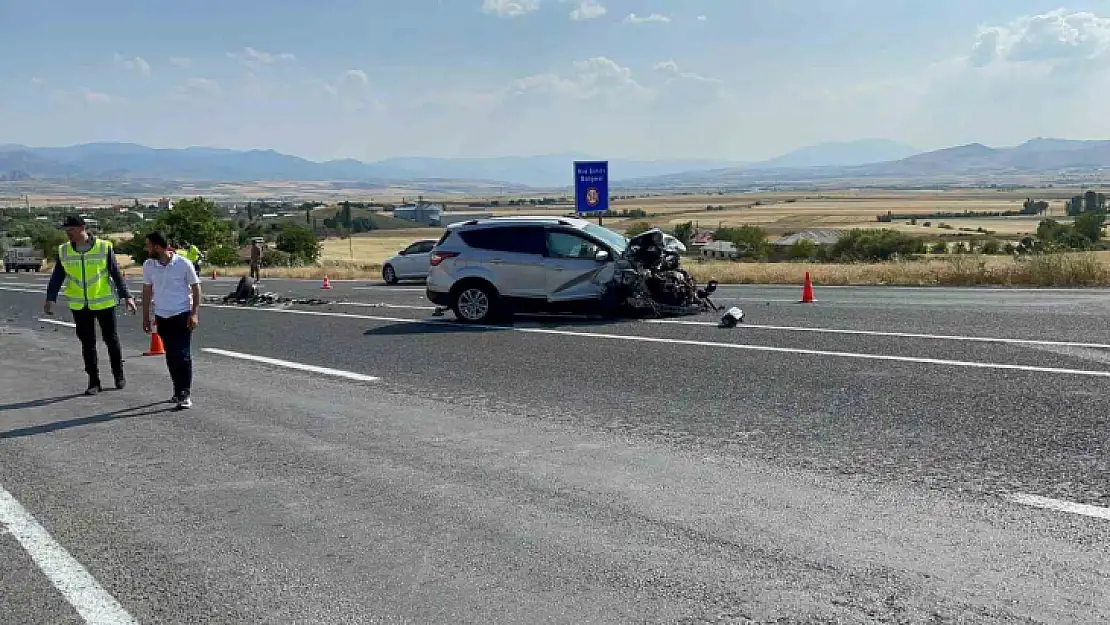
<point x="22" y="259"/>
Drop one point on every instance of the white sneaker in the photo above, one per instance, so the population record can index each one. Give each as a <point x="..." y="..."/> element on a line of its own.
<point x="185" y="402"/>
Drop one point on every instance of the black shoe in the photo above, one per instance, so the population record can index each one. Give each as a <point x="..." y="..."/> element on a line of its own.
<point x="93" y="388"/>
<point x="121" y="381"/>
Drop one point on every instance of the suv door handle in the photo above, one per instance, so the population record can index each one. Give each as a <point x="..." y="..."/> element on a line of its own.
<point x="496" y="260"/>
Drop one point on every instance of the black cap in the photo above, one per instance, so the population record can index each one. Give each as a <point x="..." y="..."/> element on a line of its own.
<point x="73" y="221"/>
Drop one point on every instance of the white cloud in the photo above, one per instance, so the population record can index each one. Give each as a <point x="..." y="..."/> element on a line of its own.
<point x="352" y="91"/>
<point x="96" y="97"/>
<point x="666" y="66"/>
<point x="702" y="18"/>
<point x="510" y="8"/>
<point x="592" y="78"/>
<point x="137" y="64"/>
<point x="202" y="87"/>
<point x="1054" y="37"/>
<point x="183" y="62"/>
<point x="588" y="10"/>
<point x="256" y="59"/>
<point x="84" y="95"/>
<point x="653" y="18"/>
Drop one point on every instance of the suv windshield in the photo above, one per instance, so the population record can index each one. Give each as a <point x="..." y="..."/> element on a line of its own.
<point x="608" y="237"/>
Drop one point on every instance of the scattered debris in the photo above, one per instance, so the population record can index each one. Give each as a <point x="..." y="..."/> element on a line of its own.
<point x="246" y="293"/>
<point x="732" y="317"/>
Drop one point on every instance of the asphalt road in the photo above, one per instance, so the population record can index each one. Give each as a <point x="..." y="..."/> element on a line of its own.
<point x="876" y="457"/>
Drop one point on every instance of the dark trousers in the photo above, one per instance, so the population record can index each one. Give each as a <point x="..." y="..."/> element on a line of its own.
<point x="177" y="339"/>
<point x="256" y="270"/>
<point x="86" y="321"/>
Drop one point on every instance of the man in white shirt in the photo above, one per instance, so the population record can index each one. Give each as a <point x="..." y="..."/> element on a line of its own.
<point x="172" y="283"/>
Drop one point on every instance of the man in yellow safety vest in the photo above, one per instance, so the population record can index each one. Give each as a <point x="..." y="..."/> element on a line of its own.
<point x="87" y="269"/>
<point x="192" y="254"/>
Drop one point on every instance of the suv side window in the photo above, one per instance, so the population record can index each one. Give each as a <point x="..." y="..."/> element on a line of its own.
<point x="514" y="239"/>
<point x="562" y="244"/>
<point x="419" y="248"/>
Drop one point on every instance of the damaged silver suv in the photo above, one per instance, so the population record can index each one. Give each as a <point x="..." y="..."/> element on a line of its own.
<point x="484" y="268"/>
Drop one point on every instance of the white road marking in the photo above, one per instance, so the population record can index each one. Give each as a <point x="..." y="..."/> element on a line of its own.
<point x="372" y="305"/>
<point x="18" y="289"/>
<point x="79" y="588"/>
<point x="339" y="373"/>
<point x="911" y="335"/>
<point x="1059" y="505"/>
<point x="388" y="288"/>
<point x="712" y="344"/>
<point x="57" y="322"/>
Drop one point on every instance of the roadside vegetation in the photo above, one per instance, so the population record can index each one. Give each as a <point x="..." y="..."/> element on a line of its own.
<point x="346" y="241"/>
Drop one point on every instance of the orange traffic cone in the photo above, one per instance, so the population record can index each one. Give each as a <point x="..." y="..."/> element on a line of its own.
<point x="807" y="291"/>
<point x="327" y="283"/>
<point x="156" y="347"/>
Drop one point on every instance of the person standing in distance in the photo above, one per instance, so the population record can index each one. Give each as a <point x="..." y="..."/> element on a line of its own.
<point x="170" y="280"/>
<point x="256" y="261"/>
<point x="87" y="268"/>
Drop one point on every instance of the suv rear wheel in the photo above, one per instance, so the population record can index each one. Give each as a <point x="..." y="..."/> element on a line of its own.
<point x="389" y="275"/>
<point x="475" y="302"/>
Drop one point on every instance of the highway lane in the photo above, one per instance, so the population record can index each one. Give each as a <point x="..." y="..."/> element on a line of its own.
<point x="929" y="410"/>
<point x="288" y="496"/>
<point x="1059" y="315"/>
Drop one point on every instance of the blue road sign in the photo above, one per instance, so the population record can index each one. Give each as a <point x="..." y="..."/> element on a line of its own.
<point x="591" y="186"/>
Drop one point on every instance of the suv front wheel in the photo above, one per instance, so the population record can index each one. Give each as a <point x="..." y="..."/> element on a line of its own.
<point x="475" y="302"/>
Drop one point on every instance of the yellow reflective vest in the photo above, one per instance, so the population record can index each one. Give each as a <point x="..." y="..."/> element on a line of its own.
<point x="87" y="283"/>
<point x="191" y="254"/>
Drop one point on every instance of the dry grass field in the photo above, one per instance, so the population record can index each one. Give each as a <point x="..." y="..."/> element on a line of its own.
<point x="376" y="247"/>
<point x="780" y="213"/>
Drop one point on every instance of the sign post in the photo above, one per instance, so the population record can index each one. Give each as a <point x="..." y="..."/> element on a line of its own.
<point x="591" y="188"/>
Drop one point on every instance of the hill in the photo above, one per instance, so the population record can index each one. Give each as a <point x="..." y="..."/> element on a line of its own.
<point x="128" y="161"/>
<point x="133" y="169"/>
<point x="839" y="154"/>
<point x="1036" y="157"/>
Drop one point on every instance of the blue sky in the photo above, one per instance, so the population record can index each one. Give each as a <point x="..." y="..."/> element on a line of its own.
<point x="734" y="79"/>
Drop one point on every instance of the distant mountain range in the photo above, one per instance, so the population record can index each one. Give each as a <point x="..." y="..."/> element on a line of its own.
<point x="864" y="159"/>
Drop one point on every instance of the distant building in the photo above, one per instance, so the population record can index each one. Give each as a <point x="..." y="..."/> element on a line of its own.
<point x="421" y="213"/>
<point x="719" y="249"/>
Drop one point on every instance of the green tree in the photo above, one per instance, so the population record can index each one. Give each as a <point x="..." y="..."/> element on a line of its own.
<point x="47" y="240"/>
<point x="1089" y="225"/>
<point x="871" y="244"/>
<point x="223" y="256"/>
<point x="803" y="249"/>
<point x="195" y="220"/>
<point x="750" y="241"/>
<point x="684" y="232"/>
<point x="299" y="242"/>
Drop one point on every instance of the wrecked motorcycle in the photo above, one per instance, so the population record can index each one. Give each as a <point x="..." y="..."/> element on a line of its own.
<point x="649" y="280"/>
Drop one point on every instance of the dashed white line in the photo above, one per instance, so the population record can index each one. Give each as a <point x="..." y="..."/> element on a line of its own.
<point x="1059" y="505"/>
<point x="79" y="588"/>
<point x="57" y="322"/>
<point x="711" y="344"/>
<point x="912" y="335"/>
<point x="339" y="373"/>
